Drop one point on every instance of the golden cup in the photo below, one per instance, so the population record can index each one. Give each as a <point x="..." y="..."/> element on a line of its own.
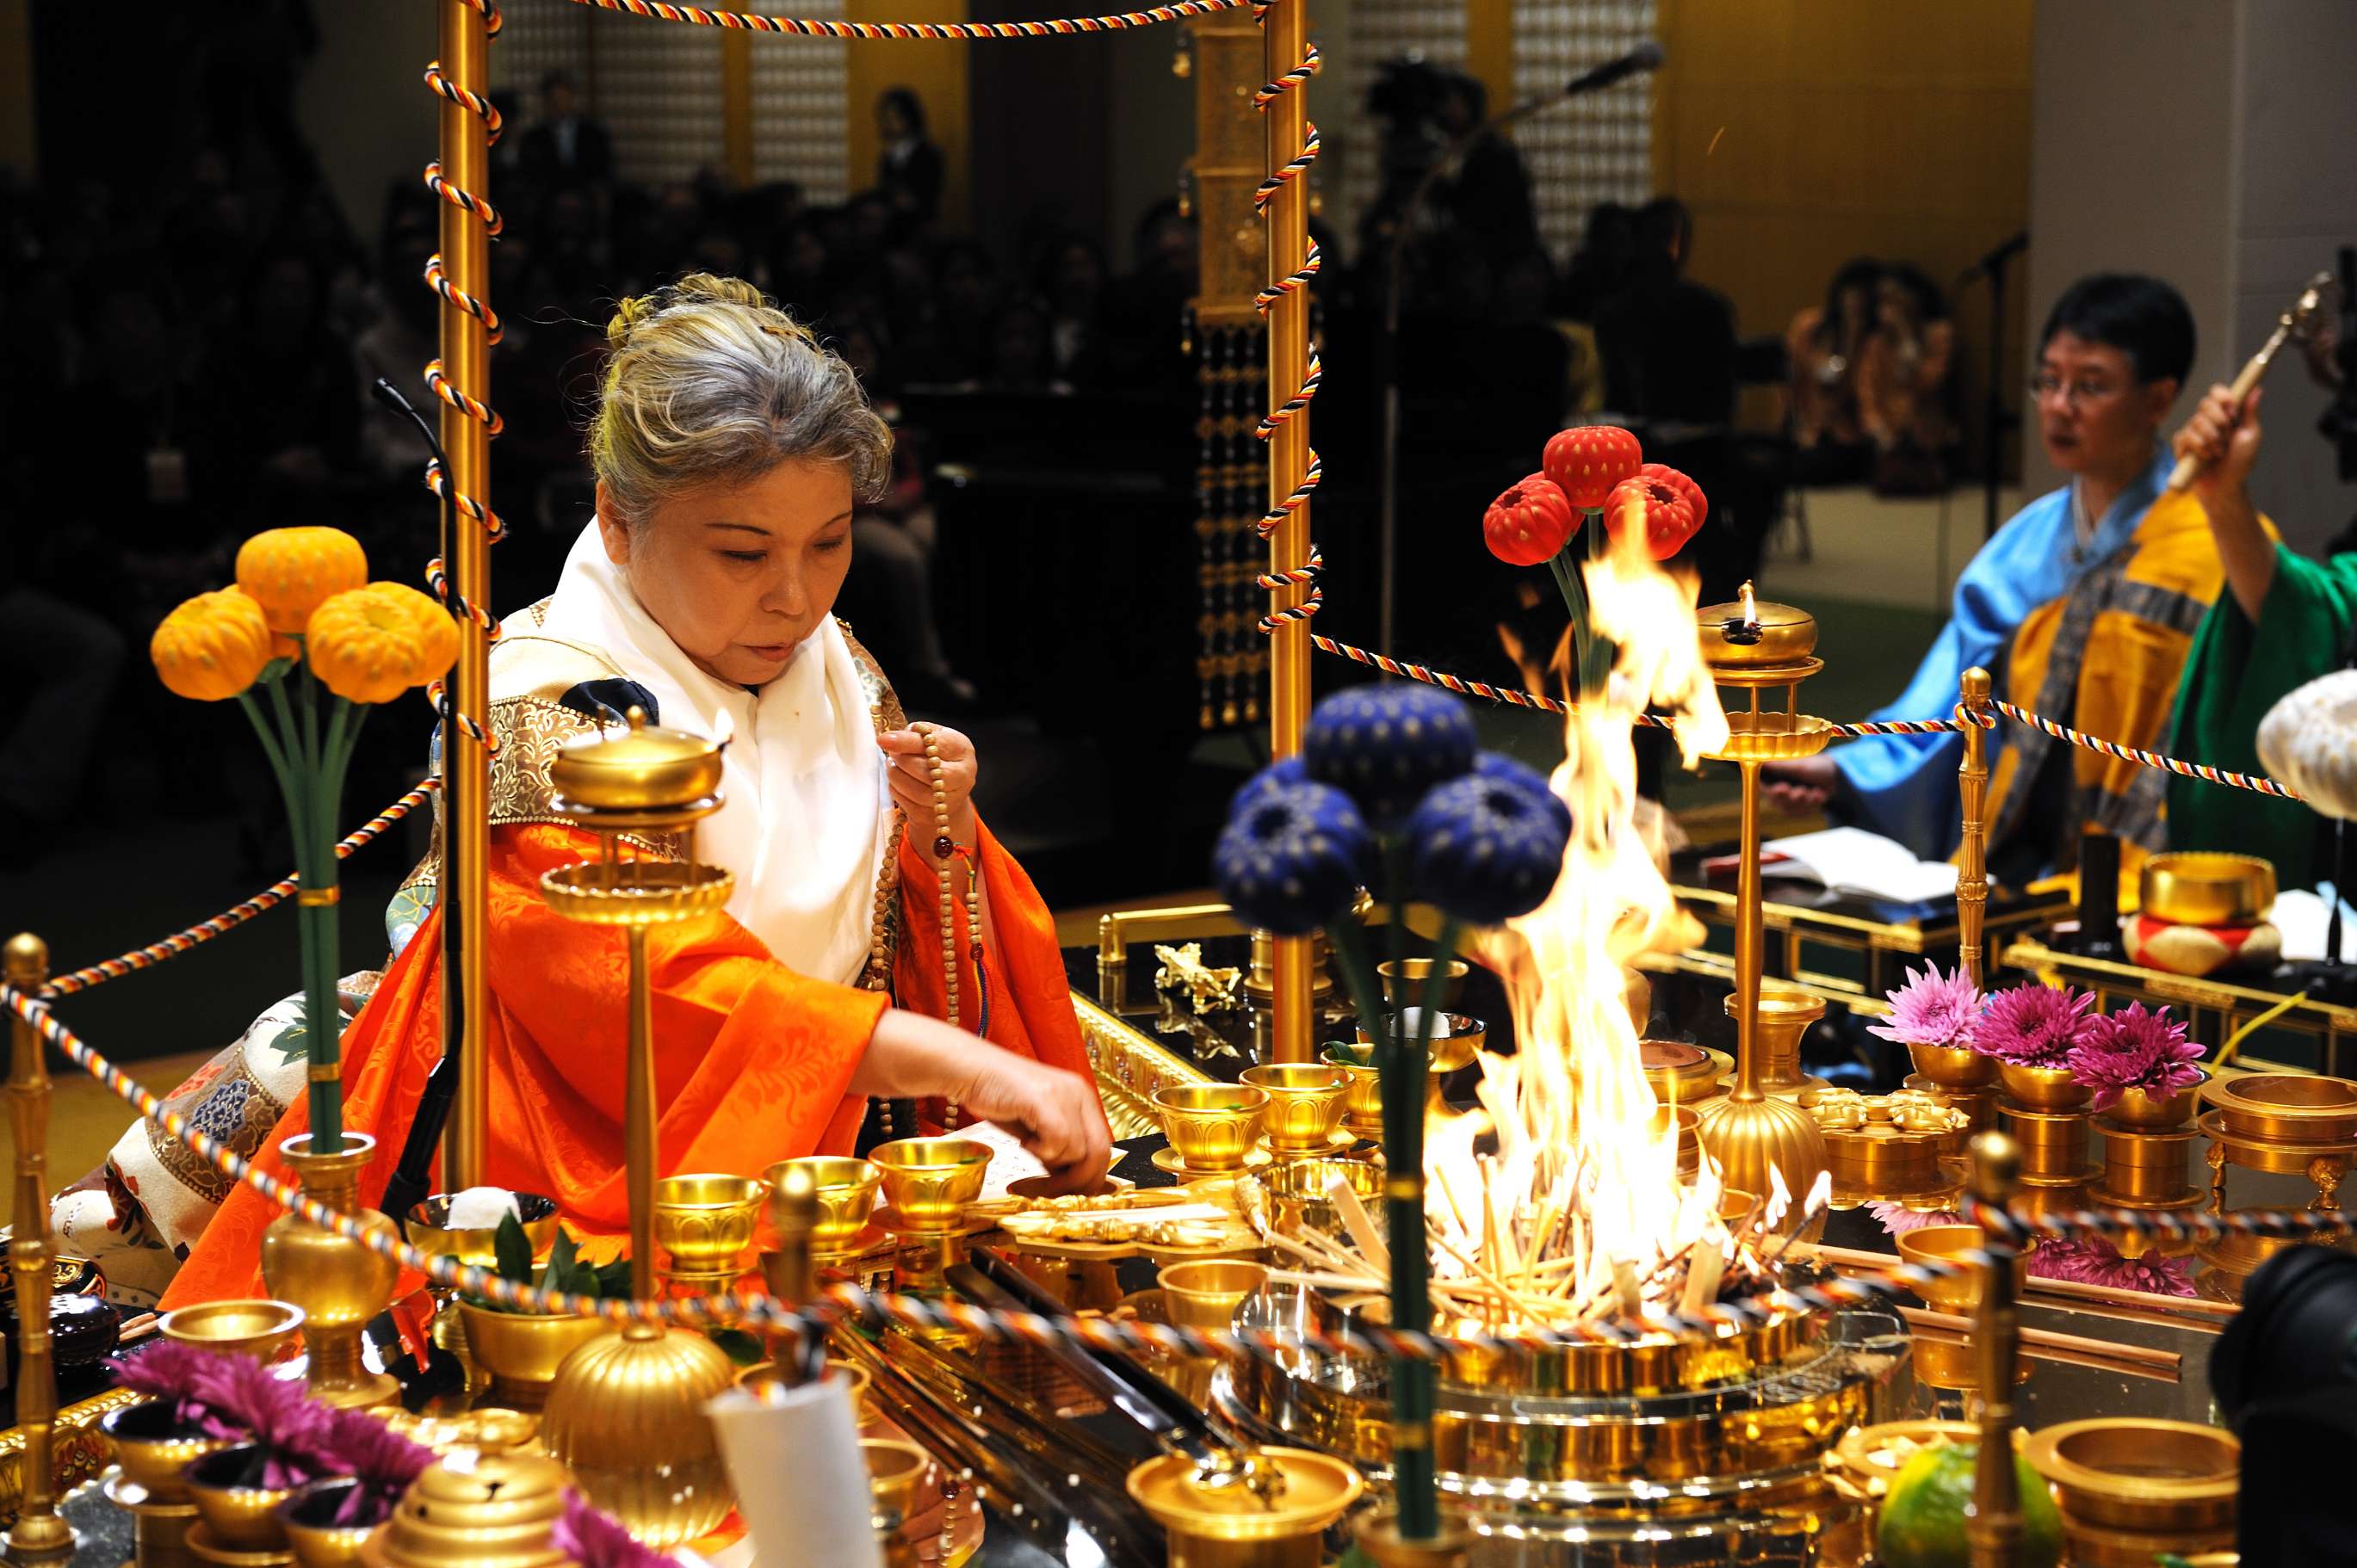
<point x="1205" y="1294"/>
<point x="1467" y="1035"/>
<point x="1212" y="1126"/>
<point x="895" y="1472"/>
<point x="322" y="1544"/>
<point x="1305" y="1103"/>
<point x="846" y="1190"/>
<point x="763" y="1375"/>
<point x="1406" y="981"/>
<point x="256" y="1328"/>
<point x="2043" y="1087"/>
<point x="2130" y="1487"/>
<point x="2140" y="1111"/>
<point x="1362" y="1098"/>
<point x="1953" y="1067"/>
<point x="155" y="1457"/>
<point x="523" y="1350"/>
<point x="706" y="1221"/>
<point x="1955" y="1364"/>
<point x="931" y="1182"/>
<point x="241" y="1516"/>
<point x="1946" y="1244"/>
<point x="428" y="1226"/>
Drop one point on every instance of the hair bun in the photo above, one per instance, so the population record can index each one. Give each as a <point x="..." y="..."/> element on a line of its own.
<point x="702" y="288"/>
<point x="628" y="313"/>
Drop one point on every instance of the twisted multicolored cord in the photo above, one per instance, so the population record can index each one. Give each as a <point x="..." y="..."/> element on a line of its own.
<point x="235" y="916"/>
<point x="802" y="27"/>
<point x="2262" y="786"/>
<point x="1718" y="1320"/>
<point x="1306" y="575"/>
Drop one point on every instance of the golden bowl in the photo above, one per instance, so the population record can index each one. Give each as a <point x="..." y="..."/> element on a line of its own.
<point x="1955" y="1364"/>
<point x="763" y="1375"/>
<point x="1405" y="981"/>
<point x="427" y="1228"/>
<point x="1467" y="1035"/>
<point x="2137" y="1110"/>
<point x="2141" y="1476"/>
<point x="1953" y="1067"/>
<point x="256" y="1328"/>
<point x="523" y="1350"/>
<point x="323" y="1545"/>
<point x="1212" y="1126"/>
<point x="1362" y="1098"/>
<point x="242" y="1516"/>
<point x="2043" y="1087"/>
<point x="1680" y="1072"/>
<point x="845" y="1190"/>
<point x="706" y="1221"/>
<point x="1206" y="1293"/>
<point x="1305" y="1103"/>
<point x="152" y="1457"/>
<point x="2201" y="888"/>
<point x="931" y="1182"/>
<point x="2287" y="1107"/>
<point x="895" y="1471"/>
<point x="1944" y="1244"/>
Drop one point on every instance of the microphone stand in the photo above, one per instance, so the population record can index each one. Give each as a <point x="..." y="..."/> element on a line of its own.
<point x="1995" y="420"/>
<point x="1387" y="547"/>
<point x="412" y="1174"/>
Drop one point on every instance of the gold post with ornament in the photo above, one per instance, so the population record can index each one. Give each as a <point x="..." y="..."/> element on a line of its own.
<point x="1996" y="1525"/>
<point x="639" y="1391"/>
<point x="1972" y="859"/>
<point x="1754" y="647"/>
<point x="39" y="1534"/>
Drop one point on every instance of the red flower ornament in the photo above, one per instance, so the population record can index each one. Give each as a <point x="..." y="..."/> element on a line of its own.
<point x="1664" y="502"/>
<point x="1527" y="525"/>
<point x="1587" y="460"/>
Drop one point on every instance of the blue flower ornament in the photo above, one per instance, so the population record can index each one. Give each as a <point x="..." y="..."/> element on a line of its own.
<point x="1289" y="858"/>
<point x="1487" y="846"/>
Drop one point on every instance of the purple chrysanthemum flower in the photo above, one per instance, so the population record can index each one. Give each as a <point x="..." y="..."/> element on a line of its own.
<point x="2096" y="1261"/>
<point x="169" y="1372"/>
<point x="1898" y="1219"/>
<point x="593" y="1540"/>
<point x="381" y="1460"/>
<point x="2033" y="1026"/>
<point x="1932" y="1009"/>
<point x="2135" y="1049"/>
<point x="287" y="1424"/>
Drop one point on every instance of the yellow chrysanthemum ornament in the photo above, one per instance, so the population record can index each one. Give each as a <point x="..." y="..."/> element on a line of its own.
<point x="370" y="644"/>
<point x="212" y="648"/>
<point x="291" y="572"/>
<point x="304" y="616"/>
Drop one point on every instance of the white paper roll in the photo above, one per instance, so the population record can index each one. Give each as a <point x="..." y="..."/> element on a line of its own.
<point x="801" y="1483"/>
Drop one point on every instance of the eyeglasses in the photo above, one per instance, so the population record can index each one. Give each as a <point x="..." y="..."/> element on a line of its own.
<point x="2075" y="394"/>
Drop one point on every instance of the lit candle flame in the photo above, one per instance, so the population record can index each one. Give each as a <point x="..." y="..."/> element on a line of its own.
<point x="1750" y="609"/>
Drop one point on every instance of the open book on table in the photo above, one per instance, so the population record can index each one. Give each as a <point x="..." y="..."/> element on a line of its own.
<point x="1863" y="864"/>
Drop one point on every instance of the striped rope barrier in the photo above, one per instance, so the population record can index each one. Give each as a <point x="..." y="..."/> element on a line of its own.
<point x="798" y="27"/>
<point x="235" y="916"/>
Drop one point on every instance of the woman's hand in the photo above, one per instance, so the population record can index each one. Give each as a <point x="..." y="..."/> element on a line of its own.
<point x="912" y="787"/>
<point x="1054" y="1113"/>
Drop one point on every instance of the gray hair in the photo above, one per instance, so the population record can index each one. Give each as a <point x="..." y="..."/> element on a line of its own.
<point x="708" y="380"/>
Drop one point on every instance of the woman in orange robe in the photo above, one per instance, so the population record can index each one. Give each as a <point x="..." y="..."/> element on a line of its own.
<point x="728" y="448"/>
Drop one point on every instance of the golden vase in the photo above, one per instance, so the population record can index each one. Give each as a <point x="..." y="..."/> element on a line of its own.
<point x="340" y="1284"/>
<point x="626" y="1416"/>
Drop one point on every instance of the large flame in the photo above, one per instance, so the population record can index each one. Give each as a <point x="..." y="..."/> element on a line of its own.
<point x="1581" y="1209"/>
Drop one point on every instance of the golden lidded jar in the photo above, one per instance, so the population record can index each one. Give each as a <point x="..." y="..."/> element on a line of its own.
<point x="340" y="1283"/>
<point x="1217" y="1518"/>
<point x="497" y="1510"/>
<point x="626" y="1416"/>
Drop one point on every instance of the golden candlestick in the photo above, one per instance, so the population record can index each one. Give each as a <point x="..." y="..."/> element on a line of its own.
<point x="640" y="1391"/>
<point x="39" y="1535"/>
<point x="1757" y="647"/>
<point x="1995" y="1525"/>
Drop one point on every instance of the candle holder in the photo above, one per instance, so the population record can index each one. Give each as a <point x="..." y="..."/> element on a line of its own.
<point x="2286" y="1123"/>
<point x="640" y="1391"/>
<point x="2053" y="1144"/>
<point x="1753" y="647"/>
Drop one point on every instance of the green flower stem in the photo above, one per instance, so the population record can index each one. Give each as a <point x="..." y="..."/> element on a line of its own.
<point x="323" y="1009"/>
<point x="1593" y="654"/>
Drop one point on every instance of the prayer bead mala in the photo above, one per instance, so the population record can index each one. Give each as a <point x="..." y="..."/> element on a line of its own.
<point x="947" y="852"/>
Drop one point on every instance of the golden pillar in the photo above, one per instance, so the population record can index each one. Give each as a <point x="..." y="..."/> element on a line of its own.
<point x="736" y="107"/>
<point x="1285" y="42"/>
<point x="1972" y="860"/>
<point x="1996" y="1525"/>
<point x="39" y="1535"/>
<point x="466" y="765"/>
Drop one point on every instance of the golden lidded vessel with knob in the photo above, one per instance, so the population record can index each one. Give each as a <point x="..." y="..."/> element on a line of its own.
<point x="1264" y="1507"/>
<point x="1755" y="647"/>
<point x="625" y="1412"/>
<point x="497" y="1510"/>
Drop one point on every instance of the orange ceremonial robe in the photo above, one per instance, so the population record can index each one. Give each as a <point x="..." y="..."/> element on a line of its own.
<point x="753" y="1062"/>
